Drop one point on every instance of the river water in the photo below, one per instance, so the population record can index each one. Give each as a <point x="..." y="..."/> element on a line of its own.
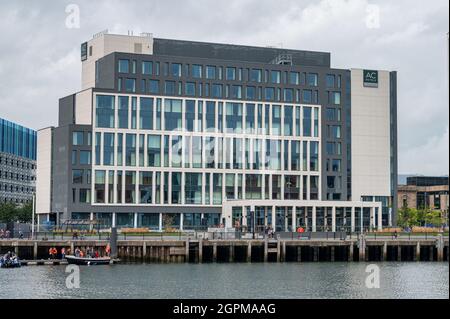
<point x="235" y="281"/>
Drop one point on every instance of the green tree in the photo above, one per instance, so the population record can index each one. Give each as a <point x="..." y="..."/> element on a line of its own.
<point x="408" y="217"/>
<point x="7" y="212"/>
<point x="24" y="214"/>
<point x="10" y="212"/>
<point x="433" y="217"/>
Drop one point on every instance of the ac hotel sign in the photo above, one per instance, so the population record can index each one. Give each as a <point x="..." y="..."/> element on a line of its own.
<point x="370" y="78"/>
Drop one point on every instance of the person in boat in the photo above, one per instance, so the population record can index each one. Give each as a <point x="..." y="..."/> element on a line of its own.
<point x="63" y="253"/>
<point x="77" y="252"/>
<point x="96" y="255"/>
<point x="108" y="249"/>
<point x="81" y="254"/>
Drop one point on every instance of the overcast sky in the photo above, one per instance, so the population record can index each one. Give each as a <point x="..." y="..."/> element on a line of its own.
<point x="40" y="58"/>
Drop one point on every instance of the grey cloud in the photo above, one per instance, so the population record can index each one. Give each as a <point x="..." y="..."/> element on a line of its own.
<point x="39" y="56"/>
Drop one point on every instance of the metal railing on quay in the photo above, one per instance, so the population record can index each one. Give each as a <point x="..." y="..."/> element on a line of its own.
<point x="225" y="234"/>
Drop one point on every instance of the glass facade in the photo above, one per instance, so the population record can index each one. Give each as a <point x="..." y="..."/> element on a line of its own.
<point x="17" y="140"/>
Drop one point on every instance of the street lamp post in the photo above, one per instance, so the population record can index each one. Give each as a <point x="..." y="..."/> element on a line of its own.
<point x="33" y="215"/>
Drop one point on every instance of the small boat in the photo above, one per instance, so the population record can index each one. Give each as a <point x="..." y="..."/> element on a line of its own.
<point x="13" y="262"/>
<point x="87" y="260"/>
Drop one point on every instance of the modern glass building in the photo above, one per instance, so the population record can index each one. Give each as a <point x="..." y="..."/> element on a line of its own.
<point x="17" y="162"/>
<point x="190" y="135"/>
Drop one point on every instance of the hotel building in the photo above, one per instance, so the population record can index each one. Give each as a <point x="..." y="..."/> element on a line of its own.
<point x="190" y="135"/>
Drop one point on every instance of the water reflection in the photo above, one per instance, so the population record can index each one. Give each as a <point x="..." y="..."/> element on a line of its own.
<point x="302" y="281"/>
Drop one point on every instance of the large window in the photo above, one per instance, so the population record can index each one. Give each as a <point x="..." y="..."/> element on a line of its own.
<point x="231" y="74"/>
<point x="217" y="189"/>
<point x="211" y="72"/>
<point x="253" y="186"/>
<point x="85" y="196"/>
<point x="77" y="176"/>
<point x="307" y="96"/>
<point x="292" y="187"/>
<point x="276" y="120"/>
<point x="154" y="150"/>
<point x="236" y="92"/>
<point x="234" y="117"/>
<point x="330" y="81"/>
<point x="125" y="220"/>
<point x="288" y="95"/>
<point x="250" y="93"/>
<point x="250" y="118"/>
<point x="275" y="77"/>
<point x="154" y="86"/>
<point x="288" y="120"/>
<point x="119" y="149"/>
<point x="108" y="149"/>
<point x="130" y="187"/>
<point x="150" y="221"/>
<point x="176" y="188"/>
<point x="217" y="91"/>
<point x="176" y="70"/>
<point x="130" y="85"/>
<point x="294" y="78"/>
<point x="193" y="188"/>
<point x="196" y="152"/>
<point x="295" y="155"/>
<point x="145" y="187"/>
<point x="312" y="79"/>
<point x="172" y="115"/>
<point x="123" y="111"/>
<point x="336" y="165"/>
<point x="256" y="75"/>
<point x="124" y="66"/>
<point x="146" y="114"/>
<point x="314" y="156"/>
<point x="334" y="98"/>
<point x="269" y="94"/>
<point x="334" y="131"/>
<point x="190" y="115"/>
<point x="147" y="67"/>
<point x="170" y="87"/>
<point x="307" y="121"/>
<point x="197" y="71"/>
<point x="229" y="186"/>
<point x="273" y="154"/>
<point x="130" y="155"/>
<point x="99" y="193"/>
<point x="190" y="89"/>
<point x="210" y="116"/>
<point x="77" y="138"/>
<point x="316" y="122"/>
<point x="105" y="111"/>
<point x="85" y="157"/>
<point x="177" y="151"/>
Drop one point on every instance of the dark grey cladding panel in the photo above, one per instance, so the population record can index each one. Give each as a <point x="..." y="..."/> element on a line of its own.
<point x="62" y="167"/>
<point x="394" y="144"/>
<point x="105" y="72"/>
<point x="66" y="110"/>
<point x="232" y="52"/>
